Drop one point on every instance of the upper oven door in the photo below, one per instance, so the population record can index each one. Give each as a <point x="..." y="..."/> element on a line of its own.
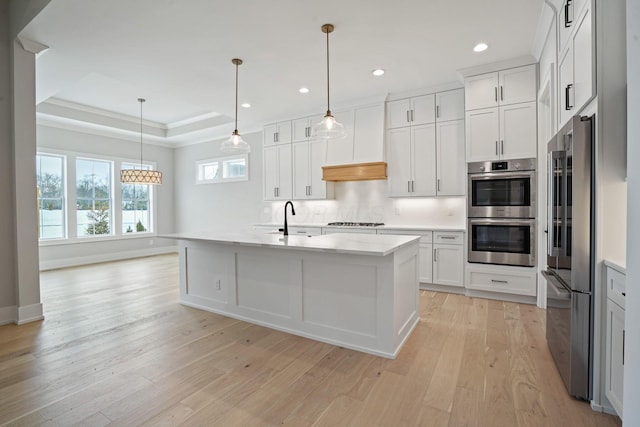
<point x="502" y="194"/>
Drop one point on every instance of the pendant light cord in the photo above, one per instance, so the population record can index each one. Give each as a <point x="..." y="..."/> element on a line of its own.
<point x="236" y="121"/>
<point x="141" y="100"/>
<point x="328" y="108"/>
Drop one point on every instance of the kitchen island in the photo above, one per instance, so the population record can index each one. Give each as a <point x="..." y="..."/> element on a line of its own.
<point x="352" y="290"/>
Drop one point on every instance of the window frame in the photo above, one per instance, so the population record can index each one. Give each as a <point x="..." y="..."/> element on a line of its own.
<point x="65" y="198"/>
<point x="150" y="201"/>
<point x="221" y="160"/>
<point x="116" y="221"/>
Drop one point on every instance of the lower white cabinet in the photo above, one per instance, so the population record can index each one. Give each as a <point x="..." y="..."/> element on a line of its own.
<point x="615" y="338"/>
<point x="331" y="230"/>
<point x="502" y="279"/>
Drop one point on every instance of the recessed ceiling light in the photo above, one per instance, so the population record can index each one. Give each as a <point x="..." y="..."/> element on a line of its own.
<point x="378" y="72"/>
<point x="246" y="105"/>
<point x="480" y="47"/>
<point x="303" y="90"/>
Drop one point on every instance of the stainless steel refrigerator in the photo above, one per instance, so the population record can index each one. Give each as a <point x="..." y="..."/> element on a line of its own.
<point x="570" y="253"/>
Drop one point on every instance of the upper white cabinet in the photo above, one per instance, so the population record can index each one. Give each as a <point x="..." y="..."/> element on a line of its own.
<point x="301" y="128"/>
<point x="277" y="133"/>
<point x="277" y="172"/>
<point x="415" y="111"/>
<point x="450" y="105"/>
<point x="501" y="116"/>
<point x="365" y="136"/>
<point x="576" y="67"/>
<point x="450" y="164"/>
<point x="411" y="161"/>
<point x="308" y="158"/>
<point x="504" y="87"/>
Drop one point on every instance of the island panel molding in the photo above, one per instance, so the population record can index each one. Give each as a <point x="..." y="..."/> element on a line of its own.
<point x="362" y="300"/>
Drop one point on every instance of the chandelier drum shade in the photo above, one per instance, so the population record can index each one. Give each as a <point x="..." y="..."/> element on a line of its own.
<point x="140" y="176"/>
<point x="235" y="144"/>
<point x="329" y="127"/>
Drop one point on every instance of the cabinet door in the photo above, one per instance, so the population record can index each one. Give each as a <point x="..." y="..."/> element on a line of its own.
<point x="481" y="91"/>
<point x="450" y="105"/>
<point x="271" y="172"/>
<point x="583" y="62"/>
<point x="482" y="134"/>
<point x="565" y="85"/>
<point x="368" y="138"/>
<point x="398" y="113"/>
<point x="301" y="129"/>
<point x="318" y="154"/>
<point x="615" y="337"/>
<point x="283" y="135"/>
<point x="517" y="85"/>
<point x="447" y="265"/>
<point x="565" y="23"/>
<point x="284" y="172"/>
<point x="518" y="131"/>
<point x="269" y="134"/>
<point x="451" y="173"/>
<point x="399" y="161"/>
<point x="425" y="259"/>
<point x="300" y="170"/>
<point x="423" y="160"/>
<point x="423" y="110"/>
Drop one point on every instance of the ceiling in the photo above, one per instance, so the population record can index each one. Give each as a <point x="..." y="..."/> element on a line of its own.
<point x="104" y="54"/>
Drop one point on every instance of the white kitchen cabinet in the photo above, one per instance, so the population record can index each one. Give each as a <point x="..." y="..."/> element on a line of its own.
<point x="425" y="251"/>
<point x="568" y="15"/>
<point x="411" y="111"/>
<point x="411" y="161"/>
<point x="505" y="132"/>
<point x="365" y="137"/>
<point x="304" y="231"/>
<point x="308" y="158"/>
<point x="450" y="105"/>
<point x="277" y="172"/>
<point x="576" y="69"/>
<point x="301" y="128"/>
<point x="352" y="230"/>
<point x="615" y="338"/>
<point x="450" y="165"/>
<point x="448" y="259"/>
<point x="502" y="279"/>
<point x="504" y="87"/>
<point x="277" y="133"/>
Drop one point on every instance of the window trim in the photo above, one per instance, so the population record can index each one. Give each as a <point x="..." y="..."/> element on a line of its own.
<point x="70" y="173"/>
<point x="221" y="160"/>
<point x="65" y="198"/>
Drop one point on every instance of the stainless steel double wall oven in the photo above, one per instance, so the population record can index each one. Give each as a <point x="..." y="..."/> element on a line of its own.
<point x="502" y="211"/>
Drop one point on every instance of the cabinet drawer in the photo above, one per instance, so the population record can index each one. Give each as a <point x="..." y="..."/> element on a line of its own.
<point x="448" y="237"/>
<point x="304" y="231"/>
<point x="616" y="286"/>
<point x="425" y="236"/>
<point x="524" y="284"/>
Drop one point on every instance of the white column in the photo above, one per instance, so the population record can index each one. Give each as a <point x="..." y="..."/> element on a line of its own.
<point x="27" y="272"/>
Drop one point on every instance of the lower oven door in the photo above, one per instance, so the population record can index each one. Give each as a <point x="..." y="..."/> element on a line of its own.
<point x="502" y="241"/>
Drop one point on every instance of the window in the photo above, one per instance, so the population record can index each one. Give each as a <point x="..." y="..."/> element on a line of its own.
<point x="223" y="169"/>
<point x="51" y="202"/>
<point x="93" y="197"/>
<point x="136" y="212"/>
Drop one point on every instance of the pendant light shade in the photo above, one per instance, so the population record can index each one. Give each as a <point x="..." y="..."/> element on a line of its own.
<point x="235" y="144"/>
<point x="140" y="176"/>
<point x="329" y="127"/>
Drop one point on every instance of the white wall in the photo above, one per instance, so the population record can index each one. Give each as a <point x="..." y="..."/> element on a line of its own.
<point x="631" y="415"/>
<point x="54" y="256"/>
<point x="7" y="244"/>
<point x="224" y="206"/>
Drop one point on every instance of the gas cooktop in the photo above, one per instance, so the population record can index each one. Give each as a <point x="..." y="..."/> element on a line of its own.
<point x="356" y="224"/>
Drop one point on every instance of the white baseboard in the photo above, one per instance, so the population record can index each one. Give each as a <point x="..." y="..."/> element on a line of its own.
<point x="29" y="313"/>
<point x="106" y="257"/>
<point x="602" y="408"/>
<point x="8" y="314"/>
<point x="21" y="315"/>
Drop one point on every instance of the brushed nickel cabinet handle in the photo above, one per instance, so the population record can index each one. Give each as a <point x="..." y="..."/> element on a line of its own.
<point x="499" y="281"/>
<point x="495" y="93"/>
<point x="501" y="94"/>
<point x="408" y="119"/>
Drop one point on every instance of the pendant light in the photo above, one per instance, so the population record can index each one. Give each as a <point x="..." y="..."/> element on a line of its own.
<point x="140" y="176"/>
<point x="235" y="144"/>
<point x="329" y="127"/>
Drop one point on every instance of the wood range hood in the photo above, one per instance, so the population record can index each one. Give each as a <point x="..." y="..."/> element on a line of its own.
<point x="355" y="172"/>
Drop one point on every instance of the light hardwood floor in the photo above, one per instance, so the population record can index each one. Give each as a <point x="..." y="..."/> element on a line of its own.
<point x="116" y="348"/>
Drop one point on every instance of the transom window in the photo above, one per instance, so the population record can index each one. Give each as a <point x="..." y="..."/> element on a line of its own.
<point x="223" y="169"/>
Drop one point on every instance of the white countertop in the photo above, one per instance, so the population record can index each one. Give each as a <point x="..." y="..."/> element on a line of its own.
<point x="356" y="244"/>
<point x="380" y="227"/>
